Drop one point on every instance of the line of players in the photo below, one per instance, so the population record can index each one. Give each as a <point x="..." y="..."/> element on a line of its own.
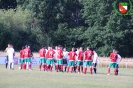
<point x="59" y="57"/>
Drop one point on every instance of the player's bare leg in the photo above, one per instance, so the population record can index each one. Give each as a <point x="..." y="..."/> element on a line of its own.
<point x="40" y="66"/>
<point x="21" y="66"/>
<point x="81" y="69"/>
<point x="68" y="67"/>
<point x="78" y="69"/>
<point x="29" y="66"/>
<point x="44" y="66"/>
<point x="85" y="69"/>
<point x="72" y="69"/>
<point x="51" y="66"/>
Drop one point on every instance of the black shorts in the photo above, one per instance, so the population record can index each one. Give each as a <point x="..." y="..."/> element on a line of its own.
<point x="64" y="61"/>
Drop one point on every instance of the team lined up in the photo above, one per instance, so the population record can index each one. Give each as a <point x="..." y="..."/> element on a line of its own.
<point x="59" y="58"/>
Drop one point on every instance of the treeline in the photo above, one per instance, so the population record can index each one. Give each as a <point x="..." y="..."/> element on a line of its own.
<point x="70" y="23"/>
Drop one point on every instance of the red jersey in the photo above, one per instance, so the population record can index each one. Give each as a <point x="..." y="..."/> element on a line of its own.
<point x="59" y="54"/>
<point x="50" y="54"/>
<point x="113" y="57"/>
<point x="72" y="55"/>
<point x="27" y="53"/>
<point x="42" y="52"/>
<point x="80" y="55"/>
<point x="22" y="54"/>
<point x="88" y="54"/>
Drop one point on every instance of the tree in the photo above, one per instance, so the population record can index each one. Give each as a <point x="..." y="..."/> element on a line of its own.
<point x="8" y="4"/>
<point x="106" y="29"/>
<point x="15" y="24"/>
<point x="49" y="14"/>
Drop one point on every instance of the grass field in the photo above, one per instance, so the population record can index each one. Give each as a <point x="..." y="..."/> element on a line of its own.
<point x="40" y="79"/>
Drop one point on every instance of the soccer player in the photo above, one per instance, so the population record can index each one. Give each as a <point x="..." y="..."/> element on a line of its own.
<point x="88" y="60"/>
<point x="95" y="60"/>
<point x="80" y="55"/>
<point x="65" y="58"/>
<point x="27" y="54"/>
<point x="77" y="51"/>
<point x="59" y="61"/>
<point x="112" y="64"/>
<point x="71" y="55"/>
<point x="76" y="59"/>
<point x="42" y="53"/>
<point x="30" y="61"/>
<point x="11" y="53"/>
<point x="6" y="65"/>
<point x="118" y="61"/>
<point x="55" y="57"/>
<point x="50" y="58"/>
<point x="22" y="58"/>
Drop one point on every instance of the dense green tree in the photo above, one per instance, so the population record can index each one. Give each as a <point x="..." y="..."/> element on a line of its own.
<point x="70" y="23"/>
<point x="50" y="14"/>
<point x="15" y="27"/>
<point x="8" y="4"/>
<point x="106" y="29"/>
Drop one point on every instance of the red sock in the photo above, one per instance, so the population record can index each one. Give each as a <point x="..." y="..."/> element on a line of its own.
<point x="47" y="68"/>
<point x="85" y="70"/>
<point x="78" y="68"/>
<point x="108" y="70"/>
<point x="61" y="66"/>
<point x="91" y="70"/>
<point x="114" y="71"/>
<point x="67" y="69"/>
<point x="82" y="69"/>
<point x="24" y="66"/>
<point x="21" y="65"/>
<point x="40" y="66"/>
<point x="56" y="67"/>
<point x="51" y="68"/>
<point x="44" y="66"/>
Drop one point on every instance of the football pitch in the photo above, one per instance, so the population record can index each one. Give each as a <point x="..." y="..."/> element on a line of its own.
<point x="40" y="79"/>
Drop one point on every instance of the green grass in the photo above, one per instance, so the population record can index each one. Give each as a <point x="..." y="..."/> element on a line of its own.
<point x="40" y="79"/>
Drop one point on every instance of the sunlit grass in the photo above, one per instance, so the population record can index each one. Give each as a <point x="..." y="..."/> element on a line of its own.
<point x="40" y="79"/>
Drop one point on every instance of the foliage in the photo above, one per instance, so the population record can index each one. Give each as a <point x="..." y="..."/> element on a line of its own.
<point x="16" y="28"/>
<point x="70" y="23"/>
<point x="106" y="29"/>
